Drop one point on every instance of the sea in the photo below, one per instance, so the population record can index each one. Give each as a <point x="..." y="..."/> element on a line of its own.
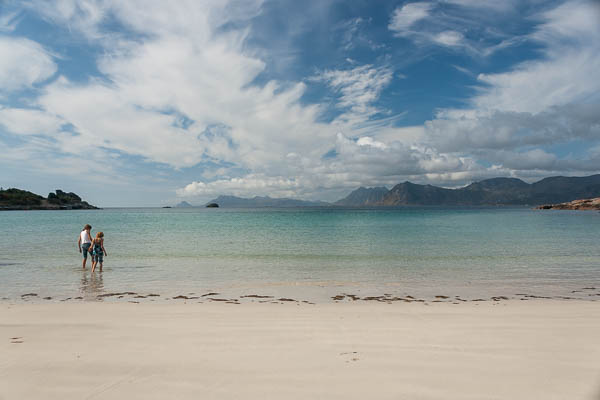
<point x="303" y="254"/>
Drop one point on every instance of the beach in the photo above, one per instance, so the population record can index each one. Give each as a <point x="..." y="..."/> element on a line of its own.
<point x="537" y="349"/>
<point x="415" y="303"/>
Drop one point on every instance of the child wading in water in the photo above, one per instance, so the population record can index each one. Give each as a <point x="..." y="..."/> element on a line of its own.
<point x="97" y="250"/>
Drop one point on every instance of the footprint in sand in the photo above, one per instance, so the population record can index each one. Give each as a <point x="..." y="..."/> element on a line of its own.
<point x="351" y="356"/>
<point x="18" y="339"/>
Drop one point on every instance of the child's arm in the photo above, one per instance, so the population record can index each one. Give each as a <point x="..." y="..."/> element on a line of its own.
<point x="79" y="243"/>
<point x="102" y="245"/>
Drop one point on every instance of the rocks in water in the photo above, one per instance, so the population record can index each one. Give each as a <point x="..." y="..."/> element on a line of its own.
<point x="582" y="204"/>
<point x="212" y="205"/>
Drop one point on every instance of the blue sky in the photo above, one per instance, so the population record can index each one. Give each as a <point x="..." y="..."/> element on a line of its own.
<point x="147" y="103"/>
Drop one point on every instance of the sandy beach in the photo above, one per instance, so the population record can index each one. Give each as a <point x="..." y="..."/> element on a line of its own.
<point x="542" y="349"/>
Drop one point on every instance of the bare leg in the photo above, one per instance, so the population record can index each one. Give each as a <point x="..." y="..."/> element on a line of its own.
<point x="93" y="264"/>
<point x="83" y="263"/>
<point x="101" y="266"/>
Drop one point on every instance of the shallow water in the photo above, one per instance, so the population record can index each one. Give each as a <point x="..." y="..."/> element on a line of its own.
<point x="308" y="253"/>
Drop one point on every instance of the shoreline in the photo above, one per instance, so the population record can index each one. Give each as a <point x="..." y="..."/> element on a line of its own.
<point x="510" y="350"/>
<point x="330" y="294"/>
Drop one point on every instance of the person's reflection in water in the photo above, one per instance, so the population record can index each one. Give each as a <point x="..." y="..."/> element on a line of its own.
<point x="91" y="287"/>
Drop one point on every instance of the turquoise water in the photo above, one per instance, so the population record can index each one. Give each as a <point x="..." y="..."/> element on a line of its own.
<point x="312" y="253"/>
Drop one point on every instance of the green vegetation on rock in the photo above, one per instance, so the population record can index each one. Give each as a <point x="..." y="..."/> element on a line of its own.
<point x="17" y="199"/>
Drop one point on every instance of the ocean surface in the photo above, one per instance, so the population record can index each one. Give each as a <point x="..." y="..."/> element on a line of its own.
<point x="309" y="254"/>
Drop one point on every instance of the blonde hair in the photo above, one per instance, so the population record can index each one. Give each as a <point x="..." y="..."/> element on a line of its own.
<point x="99" y="235"/>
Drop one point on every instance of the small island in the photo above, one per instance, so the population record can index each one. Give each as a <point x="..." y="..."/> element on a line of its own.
<point x="582" y="204"/>
<point x="212" y="205"/>
<point x="17" y="199"/>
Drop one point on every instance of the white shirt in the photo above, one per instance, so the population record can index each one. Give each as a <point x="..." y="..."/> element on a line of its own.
<point x="85" y="237"/>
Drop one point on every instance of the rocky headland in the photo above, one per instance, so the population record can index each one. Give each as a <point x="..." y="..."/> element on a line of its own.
<point x="17" y="199"/>
<point x="582" y="204"/>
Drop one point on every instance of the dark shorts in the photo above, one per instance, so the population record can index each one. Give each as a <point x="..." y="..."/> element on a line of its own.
<point x="97" y="256"/>
<point x="84" y="249"/>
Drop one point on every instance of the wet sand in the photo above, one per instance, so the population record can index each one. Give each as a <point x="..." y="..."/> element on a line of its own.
<point x="539" y="349"/>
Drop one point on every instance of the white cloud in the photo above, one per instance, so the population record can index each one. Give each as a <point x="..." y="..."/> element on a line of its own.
<point x="25" y="121"/>
<point x="504" y="5"/>
<point x="186" y="67"/>
<point x="9" y="21"/>
<point x="539" y="103"/>
<point x="568" y="73"/>
<point x="404" y="17"/>
<point x="24" y="63"/>
<point x="249" y="185"/>
<point x="526" y="160"/>
<point x="369" y="141"/>
<point x="466" y="28"/>
<point x="454" y="132"/>
<point x="449" y="38"/>
<point x="357" y="162"/>
<point x="359" y="88"/>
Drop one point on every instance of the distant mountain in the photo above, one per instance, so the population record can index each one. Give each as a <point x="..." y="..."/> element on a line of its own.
<point x="17" y="199"/>
<point x="183" y="204"/>
<point x="495" y="191"/>
<point x="363" y="197"/>
<point x="560" y="189"/>
<point x="240" y="202"/>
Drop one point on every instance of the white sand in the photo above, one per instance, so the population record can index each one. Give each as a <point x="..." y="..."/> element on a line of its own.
<point x="514" y="350"/>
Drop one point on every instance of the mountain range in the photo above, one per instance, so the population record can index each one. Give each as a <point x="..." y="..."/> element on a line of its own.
<point x="495" y="191"/>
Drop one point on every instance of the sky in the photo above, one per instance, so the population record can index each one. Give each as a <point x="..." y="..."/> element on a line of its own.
<point x="150" y="102"/>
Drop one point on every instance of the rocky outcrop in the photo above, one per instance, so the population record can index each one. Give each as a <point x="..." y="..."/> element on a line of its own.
<point x="582" y="204"/>
<point x="17" y="199"/>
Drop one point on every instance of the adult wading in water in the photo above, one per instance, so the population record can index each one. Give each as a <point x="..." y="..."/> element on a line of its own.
<point x="84" y="243"/>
